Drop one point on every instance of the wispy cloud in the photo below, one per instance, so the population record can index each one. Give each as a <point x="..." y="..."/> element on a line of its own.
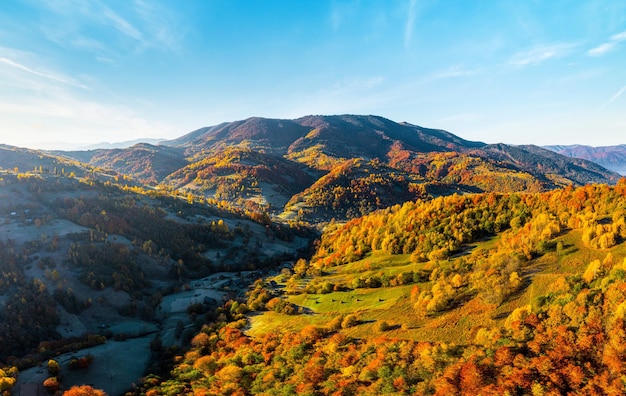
<point x="67" y="116"/>
<point x="452" y="72"/>
<point x="540" y="54"/>
<point x="45" y="75"/>
<point x="619" y="36"/>
<point x="613" y="98"/>
<point x="410" y="22"/>
<point x="608" y="46"/>
<point x="104" y="30"/>
<point x="160" y="23"/>
<point x="31" y="93"/>
<point x="601" y="49"/>
<point x="121" y="25"/>
<point x="72" y="119"/>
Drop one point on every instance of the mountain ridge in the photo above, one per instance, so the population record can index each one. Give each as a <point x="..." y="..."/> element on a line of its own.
<point x="279" y="166"/>
<point x="610" y="157"/>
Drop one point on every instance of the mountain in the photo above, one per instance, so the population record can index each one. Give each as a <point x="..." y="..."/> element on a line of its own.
<point x="610" y="157"/>
<point x="145" y="162"/>
<point x="334" y="137"/>
<point x="545" y="163"/>
<point x="120" y="145"/>
<point x="67" y="146"/>
<point x="242" y="175"/>
<point x="351" y="189"/>
<point x="259" y="133"/>
<point x="25" y="160"/>
<point x="316" y="168"/>
<point x="322" y="142"/>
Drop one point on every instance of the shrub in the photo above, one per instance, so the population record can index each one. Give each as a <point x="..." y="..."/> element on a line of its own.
<point x="51" y="384"/>
<point x="350" y="321"/>
<point x="53" y="367"/>
<point x="84" y="390"/>
<point x="382" y="325"/>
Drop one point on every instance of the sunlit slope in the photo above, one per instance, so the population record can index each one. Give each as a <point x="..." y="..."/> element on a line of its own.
<point x="479" y="294"/>
<point x="441" y="270"/>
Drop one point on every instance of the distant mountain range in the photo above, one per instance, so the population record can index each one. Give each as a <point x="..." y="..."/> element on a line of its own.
<point x="610" y="157"/>
<point x="316" y="168"/>
<point x="65" y="146"/>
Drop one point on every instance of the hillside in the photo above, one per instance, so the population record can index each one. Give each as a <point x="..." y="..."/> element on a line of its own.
<point x="252" y="179"/>
<point x="147" y="163"/>
<point x="610" y="157"/>
<point x="92" y="267"/>
<point x="351" y="189"/>
<point x="290" y="167"/>
<point x="16" y="158"/>
<point x="477" y="294"/>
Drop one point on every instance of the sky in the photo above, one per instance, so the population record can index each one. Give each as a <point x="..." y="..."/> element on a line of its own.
<point x="78" y="72"/>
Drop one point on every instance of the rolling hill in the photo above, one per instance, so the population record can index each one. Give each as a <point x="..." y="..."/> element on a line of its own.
<point x="147" y="163"/>
<point x="291" y="167"/>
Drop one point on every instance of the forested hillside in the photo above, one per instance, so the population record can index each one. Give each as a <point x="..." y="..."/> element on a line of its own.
<point x="476" y="294"/>
<point x="313" y="169"/>
<point x="86" y="263"/>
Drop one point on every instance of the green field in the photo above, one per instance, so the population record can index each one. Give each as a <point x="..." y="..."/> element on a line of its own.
<point x="394" y="305"/>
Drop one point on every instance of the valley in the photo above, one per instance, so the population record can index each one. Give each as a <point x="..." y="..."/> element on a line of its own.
<point x="110" y="292"/>
<point x="337" y="255"/>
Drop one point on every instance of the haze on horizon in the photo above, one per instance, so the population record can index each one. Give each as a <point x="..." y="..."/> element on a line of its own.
<point x="85" y="72"/>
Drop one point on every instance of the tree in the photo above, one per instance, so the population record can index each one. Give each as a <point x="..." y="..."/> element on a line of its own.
<point x="7" y="379"/>
<point x="382" y="325"/>
<point x="593" y="271"/>
<point x="51" y="384"/>
<point x="350" y="321"/>
<point x="53" y="367"/>
<point x="84" y="390"/>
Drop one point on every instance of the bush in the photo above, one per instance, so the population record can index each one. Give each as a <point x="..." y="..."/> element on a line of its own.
<point x="335" y="323"/>
<point x="51" y="384"/>
<point x="382" y="325"/>
<point x="81" y="363"/>
<point x="6" y="383"/>
<point x="350" y="321"/>
<point x="53" y="367"/>
<point x="84" y="390"/>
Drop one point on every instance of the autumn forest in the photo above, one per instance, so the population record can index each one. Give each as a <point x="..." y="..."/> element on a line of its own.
<point x="282" y="257"/>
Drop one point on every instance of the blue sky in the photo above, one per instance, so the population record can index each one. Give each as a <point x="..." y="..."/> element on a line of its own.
<point x="519" y="71"/>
